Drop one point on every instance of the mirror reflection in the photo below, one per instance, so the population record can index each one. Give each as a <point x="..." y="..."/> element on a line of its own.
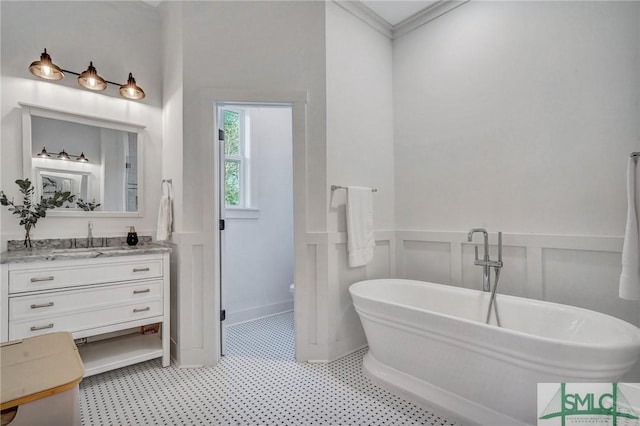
<point x="98" y="165"/>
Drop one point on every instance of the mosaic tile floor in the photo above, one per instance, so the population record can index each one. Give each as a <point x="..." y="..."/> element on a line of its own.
<point x="258" y="382"/>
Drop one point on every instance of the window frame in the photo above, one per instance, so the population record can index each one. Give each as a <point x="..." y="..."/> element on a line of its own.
<point x="245" y="209"/>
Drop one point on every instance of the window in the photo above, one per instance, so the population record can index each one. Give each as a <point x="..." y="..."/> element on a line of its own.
<point x="236" y="159"/>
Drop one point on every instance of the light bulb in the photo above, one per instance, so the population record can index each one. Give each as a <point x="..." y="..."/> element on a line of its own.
<point x="131" y="91"/>
<point x="92" y="82"/>
<point x="46" y="70"/>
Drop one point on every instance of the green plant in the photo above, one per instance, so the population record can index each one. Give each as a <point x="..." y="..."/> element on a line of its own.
<point x="88" y="207"/>
<point x="29" y="212"/>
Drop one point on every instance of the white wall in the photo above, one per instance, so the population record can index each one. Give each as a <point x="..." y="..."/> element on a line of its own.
<point x="172" y="149"/>
<point x="519" y="117"/>
<point x="359" y="115"/>
<point x="256" y="47"/>
<point x="359" y="152"/>
<point x="283" y="49"/>
<point x="289" y="54"/>
<point x="172" y="106"/>
<point x="258" y="257"/>
<point x="119" y="37"/>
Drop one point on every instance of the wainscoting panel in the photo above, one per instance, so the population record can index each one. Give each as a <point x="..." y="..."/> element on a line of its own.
<point x="574" y="270"/>
<point x="333" y="327"/>
<point x="311" y="291"/>
<point x="588" y="279"/>
<point x="381" y="266"/>
<point x="427" y="261"/>
<point x="188" y="300"/>
<point x="197" y="301"/>
<point x="347" y="320"/>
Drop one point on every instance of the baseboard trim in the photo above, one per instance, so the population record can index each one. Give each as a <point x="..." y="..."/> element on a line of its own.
<point x="258" y="312"/>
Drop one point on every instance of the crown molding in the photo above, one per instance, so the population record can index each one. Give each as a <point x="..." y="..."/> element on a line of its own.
<point x="425" y="16"/>
<point x="368" y="16"/>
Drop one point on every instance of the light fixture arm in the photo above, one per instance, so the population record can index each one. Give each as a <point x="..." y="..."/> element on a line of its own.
<point x="105" y="80"/>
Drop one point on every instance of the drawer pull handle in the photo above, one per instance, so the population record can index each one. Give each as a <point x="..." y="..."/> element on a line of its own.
<point x="43" y="305"/>
<point x="146" y="290"/>
<point x="141" y="269"/>
<point x="42" y="327"/>
<point x="141" y="310"/>
<point x="35" y="280"/>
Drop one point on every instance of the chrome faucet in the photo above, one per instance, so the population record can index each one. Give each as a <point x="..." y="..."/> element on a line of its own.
<point x="487" y="264"/>
<point x="90" y="234"/>
<point x="486" y="271"/>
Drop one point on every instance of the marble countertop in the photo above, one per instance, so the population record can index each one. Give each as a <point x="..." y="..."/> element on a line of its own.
<point x="52" y="254"/>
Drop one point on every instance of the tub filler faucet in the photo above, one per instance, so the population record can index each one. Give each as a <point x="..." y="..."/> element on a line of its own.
<point x="90" y="234"/>
<point x="487" y="264"/>
<point x="485" y="259"/>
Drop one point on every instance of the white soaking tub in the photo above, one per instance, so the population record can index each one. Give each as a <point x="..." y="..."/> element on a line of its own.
<point x="429" y="341"/>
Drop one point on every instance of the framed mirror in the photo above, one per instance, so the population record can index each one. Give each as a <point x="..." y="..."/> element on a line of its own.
<point x="97" y="160"/>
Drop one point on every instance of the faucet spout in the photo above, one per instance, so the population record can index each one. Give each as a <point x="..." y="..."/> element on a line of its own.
<point x="486" y="240"/>
<point x="486" y="271"/>
<point x="474" y="230"/>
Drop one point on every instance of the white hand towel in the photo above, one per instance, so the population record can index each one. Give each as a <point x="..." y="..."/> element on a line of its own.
<point x="165" y="215"/>
<point x="630" y="276"/>
<point x="360" y="241"/>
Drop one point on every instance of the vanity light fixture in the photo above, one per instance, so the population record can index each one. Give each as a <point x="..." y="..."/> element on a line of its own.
<point x="44" y="153"/>
<point x="131" y="90"/>
<point x="63" y="155"/>
<point x="89" y="79"/>
<point x="46" y="69"/>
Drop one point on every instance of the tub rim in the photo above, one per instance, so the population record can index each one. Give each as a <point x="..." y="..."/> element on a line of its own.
<point x="634" y="331"/>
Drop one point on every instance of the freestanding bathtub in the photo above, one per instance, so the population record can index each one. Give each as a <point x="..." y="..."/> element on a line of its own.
<point x="429" y="341"/>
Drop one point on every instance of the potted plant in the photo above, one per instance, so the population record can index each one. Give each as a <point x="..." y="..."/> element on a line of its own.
<point x="29" y="212"/>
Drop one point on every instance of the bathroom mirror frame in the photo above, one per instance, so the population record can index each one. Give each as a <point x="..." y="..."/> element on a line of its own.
<point x="30" y="110"/>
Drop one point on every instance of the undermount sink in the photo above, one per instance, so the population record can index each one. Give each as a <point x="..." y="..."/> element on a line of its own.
<point x="89" y="249"/>
<point x="72" y="250"/>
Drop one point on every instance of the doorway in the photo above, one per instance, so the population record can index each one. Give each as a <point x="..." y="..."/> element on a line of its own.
<point x="256" y="211"/>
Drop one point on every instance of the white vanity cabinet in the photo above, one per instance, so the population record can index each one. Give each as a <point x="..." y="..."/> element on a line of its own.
<point x="103" y="301"/>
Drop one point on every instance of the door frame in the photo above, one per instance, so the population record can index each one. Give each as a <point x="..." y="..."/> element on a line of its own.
<point x="212" y="184"/>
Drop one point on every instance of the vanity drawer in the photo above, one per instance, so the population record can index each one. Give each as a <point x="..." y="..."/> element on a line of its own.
<point x="94" y="297"/>
<point x="69" y="276"/>
<point x="79" y="321"/>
